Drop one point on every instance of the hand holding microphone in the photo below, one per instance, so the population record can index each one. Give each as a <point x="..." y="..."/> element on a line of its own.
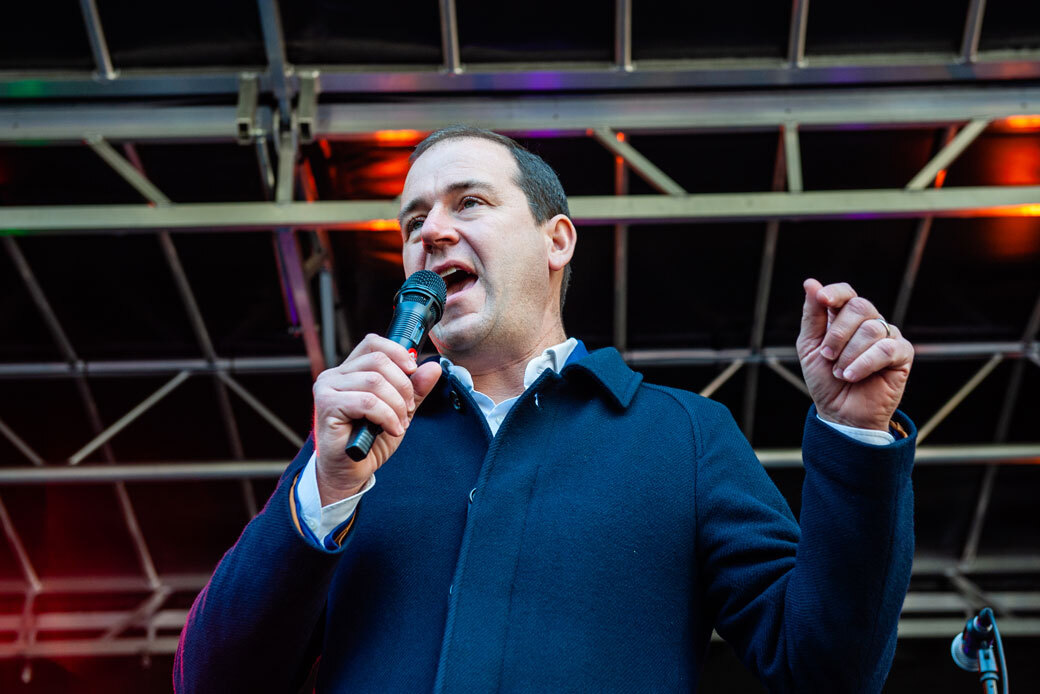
<point x="363" y="406"/>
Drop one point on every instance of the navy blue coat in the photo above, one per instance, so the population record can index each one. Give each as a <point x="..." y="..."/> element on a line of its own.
<point x="613" y="523"/>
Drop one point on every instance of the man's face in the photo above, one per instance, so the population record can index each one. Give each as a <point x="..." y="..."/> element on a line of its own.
<point x="464" y="217"/>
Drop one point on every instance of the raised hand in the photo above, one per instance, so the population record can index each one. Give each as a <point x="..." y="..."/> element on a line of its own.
<point x="379" y="382"/>
<point x="854" y="363"/>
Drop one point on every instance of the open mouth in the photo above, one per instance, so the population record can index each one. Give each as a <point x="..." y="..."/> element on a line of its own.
<point x="457" y="279"/>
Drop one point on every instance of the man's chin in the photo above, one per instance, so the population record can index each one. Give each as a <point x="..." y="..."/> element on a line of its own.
<point x="458" y="334"/>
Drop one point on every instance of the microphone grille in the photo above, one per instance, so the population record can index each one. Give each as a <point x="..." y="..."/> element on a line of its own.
<point x="429" y="280"/>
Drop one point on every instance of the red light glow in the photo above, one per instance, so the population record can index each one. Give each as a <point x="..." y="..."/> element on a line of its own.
<point x="398" y="138"/>
<point x="380" y="225"/>
<point x="1022" y="122"/>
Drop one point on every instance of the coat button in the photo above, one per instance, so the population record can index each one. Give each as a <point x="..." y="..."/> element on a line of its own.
<point x="456" y="402"/>
<point x="472" y="492"/>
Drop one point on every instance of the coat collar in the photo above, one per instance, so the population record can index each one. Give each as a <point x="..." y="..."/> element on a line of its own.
<point x="606" y="368"/>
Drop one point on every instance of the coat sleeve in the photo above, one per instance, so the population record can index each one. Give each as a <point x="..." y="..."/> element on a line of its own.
<point x="813" y="608"/>
<point x="256" y="626"/>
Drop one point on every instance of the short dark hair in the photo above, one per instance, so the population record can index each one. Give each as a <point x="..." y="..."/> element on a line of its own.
<point x="534" y="176"/>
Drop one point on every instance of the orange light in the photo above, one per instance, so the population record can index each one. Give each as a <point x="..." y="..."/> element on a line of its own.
<point x="326" y="148"/>
<point x="381" y="225"/>
<point x="1027" y="211"/>
<point x="621" y="137"/>
<point x="940" y="178"/>
<point x="398" y="137"/>
<point x="1030" y="210"/>
<point x="1022" y="122"/>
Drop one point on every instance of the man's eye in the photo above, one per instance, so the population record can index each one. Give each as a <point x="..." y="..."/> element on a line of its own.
<point x="414" y="224"/>
<point x="469" y="202"/>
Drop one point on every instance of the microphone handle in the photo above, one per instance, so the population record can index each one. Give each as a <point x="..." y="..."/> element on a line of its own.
<point x="407" y="329"/>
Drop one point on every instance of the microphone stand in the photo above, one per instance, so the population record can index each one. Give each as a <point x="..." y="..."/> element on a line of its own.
<point x="988" y="671"/>
<point x="979" y="648"/>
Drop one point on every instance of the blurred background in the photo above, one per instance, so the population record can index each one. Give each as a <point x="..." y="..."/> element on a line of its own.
<point x="197" y="207"/>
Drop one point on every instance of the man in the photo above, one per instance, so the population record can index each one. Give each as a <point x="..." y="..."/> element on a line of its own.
<point x="544" y="520"/>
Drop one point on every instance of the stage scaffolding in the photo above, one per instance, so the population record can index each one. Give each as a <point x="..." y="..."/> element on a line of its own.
<point x="281" y="106"/>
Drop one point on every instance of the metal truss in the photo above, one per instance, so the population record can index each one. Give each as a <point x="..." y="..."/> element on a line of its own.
<point x="882" y="107"/>
<point x="712" y="73"/>
<point x="118" y="632"/>
<point x="151" y="627"/>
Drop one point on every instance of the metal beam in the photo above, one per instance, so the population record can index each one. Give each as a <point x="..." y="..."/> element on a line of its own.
<point x="796" y="36"/>
<point x="921" y="233"/>
<point x="450" y="37"/>
<point x="958" y="397"/>
<point x="127" y="171"/>
<point x="298" y="364"/>
<point x="788" y="375"/>
<point x="289" y="252"/>
<point x="1008" y="454"/>
<point x="245" y="110"/>
<point x="21" y="445"/>
<point x="944" y="627"/>
<point x="721" y="379"/>
<point x="129" y="417"/>
<point x="78" y="123"/>
<point x="903" y="68"/>
<point x="267" y="414"/>
<point x="913" y="264"/>
<point x="623" y="35"/>
<point x="1016" y="454"/>
<point x="96" y="36"/>
<point x="923" y="565"/>
<point x="143" y="472"/>
<point x="165" y="645"/>
<point x="278" y="69"/>
<point x="334" y="324"/>
<point x="988" y="201"/>
<point x="972" y="30"/>
<point x="646" y="169"/>
<point x="32" y="579"/>
<point x="948" y="153"/>
<point x="793" y="157"/>
<point x="620" y="262"/>
<point x="115" y="369"/>
<point x="765" y="282"/>
<point x="573" y="114"/>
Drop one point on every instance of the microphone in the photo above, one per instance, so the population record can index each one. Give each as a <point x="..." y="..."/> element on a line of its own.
<point x="977" y="636"/>
<point x="418" y="305"/>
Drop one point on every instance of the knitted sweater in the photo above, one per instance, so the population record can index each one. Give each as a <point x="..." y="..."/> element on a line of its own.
<point x="591" y="545"/>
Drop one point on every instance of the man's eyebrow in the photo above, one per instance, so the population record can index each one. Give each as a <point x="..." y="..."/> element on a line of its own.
<point x="456" y="187"/>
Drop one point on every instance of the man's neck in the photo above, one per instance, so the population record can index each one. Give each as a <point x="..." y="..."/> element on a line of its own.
<point x="502" y="378"/>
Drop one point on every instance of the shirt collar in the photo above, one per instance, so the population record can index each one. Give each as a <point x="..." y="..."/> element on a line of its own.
<point x="553" y="358"/>
<point x="605" y="367"/>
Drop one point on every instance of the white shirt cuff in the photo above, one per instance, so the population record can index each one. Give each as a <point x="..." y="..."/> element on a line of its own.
<point x="873" y="437"/>
<point x="322" y="520"/>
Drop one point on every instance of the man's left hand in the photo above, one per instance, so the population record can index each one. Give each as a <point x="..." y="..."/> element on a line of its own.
<point x="854" y="363"/>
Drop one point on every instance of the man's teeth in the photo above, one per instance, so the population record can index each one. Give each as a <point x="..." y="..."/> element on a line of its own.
<point x="446" y="273"/>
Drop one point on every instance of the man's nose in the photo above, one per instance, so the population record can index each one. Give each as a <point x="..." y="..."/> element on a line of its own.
<point x="438" y="229"/>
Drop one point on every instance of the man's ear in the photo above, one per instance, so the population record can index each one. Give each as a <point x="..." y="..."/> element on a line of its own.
<point x="562" y="237"/>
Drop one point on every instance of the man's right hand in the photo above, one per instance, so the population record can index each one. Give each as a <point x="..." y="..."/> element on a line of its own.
<point x="379" y="382"/>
